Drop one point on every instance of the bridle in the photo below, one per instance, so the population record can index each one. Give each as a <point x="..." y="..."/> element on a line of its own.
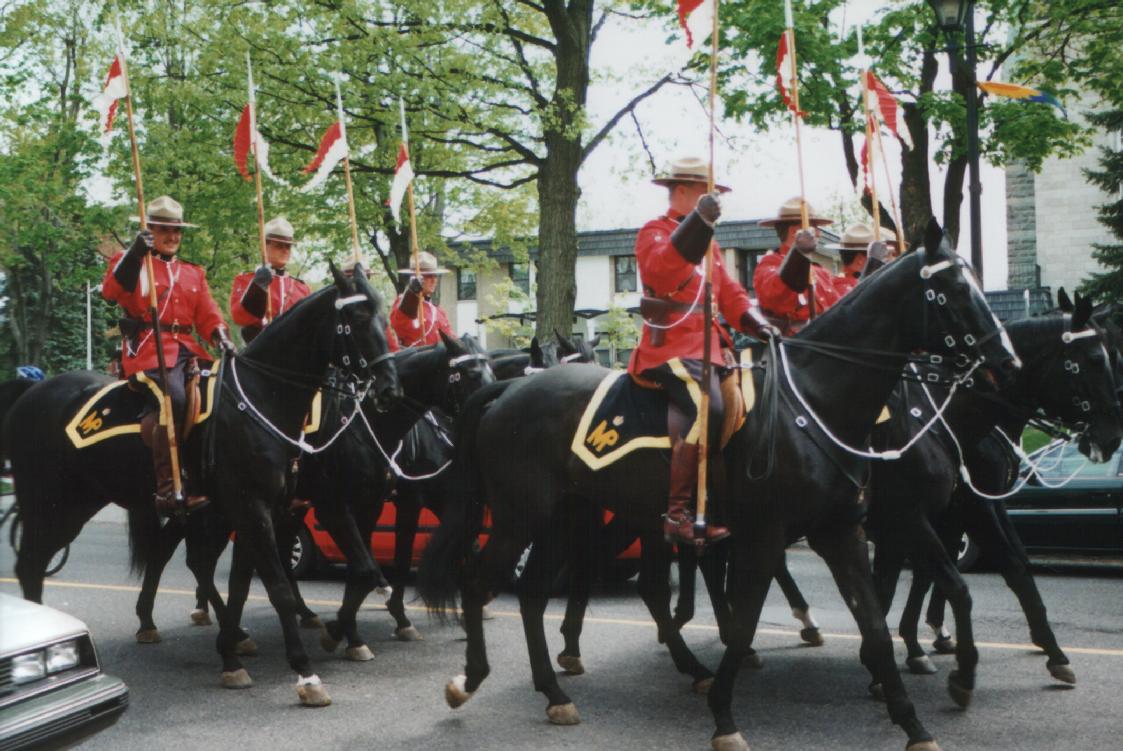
<point x="459" y="367"/>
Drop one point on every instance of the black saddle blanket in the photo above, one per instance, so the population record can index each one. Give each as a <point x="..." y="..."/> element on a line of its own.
<point x="115" y="410"/>
<point x="620" y="418"/>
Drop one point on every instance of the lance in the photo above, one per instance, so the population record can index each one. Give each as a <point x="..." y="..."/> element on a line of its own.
<point x="257" y="186"/>
<point x="356" y="252"/>
<point x="871" y="128"/>
<point x="153" y="301"/>
<point x="415" y="247"/>
<point x="804" y="214"/>
<point x="707" y="312"/>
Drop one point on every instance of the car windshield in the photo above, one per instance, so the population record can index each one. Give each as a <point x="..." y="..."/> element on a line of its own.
<point x="1059" y="462"/>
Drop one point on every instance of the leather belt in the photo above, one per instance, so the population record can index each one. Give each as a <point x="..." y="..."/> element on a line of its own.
<point x="169" y="328"/>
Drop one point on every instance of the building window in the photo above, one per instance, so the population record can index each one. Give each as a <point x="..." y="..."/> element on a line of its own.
<point x="624" y="273"/>
<point x="465" y="284"/>
<point x="520" y="275"/>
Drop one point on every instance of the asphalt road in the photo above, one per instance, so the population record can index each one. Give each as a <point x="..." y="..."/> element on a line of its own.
<point x="630" y="698"/>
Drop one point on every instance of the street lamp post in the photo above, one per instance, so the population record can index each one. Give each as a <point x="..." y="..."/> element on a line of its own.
<point x="954" y="15"/>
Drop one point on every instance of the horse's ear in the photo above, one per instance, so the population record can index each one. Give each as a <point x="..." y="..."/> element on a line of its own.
<point x="537" y="356"/>
<point x="594" y="341"/>
<point x="344" y="284"/>
<point x="451" y="343"/>
<point x="933" y="240"/>
<point x="1064" y="302"/>
<point x="1082" y="312"/>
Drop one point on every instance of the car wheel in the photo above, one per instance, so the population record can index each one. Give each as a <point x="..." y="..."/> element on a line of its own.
<point x="967" y="557"/>
<point x="304" y="557"/>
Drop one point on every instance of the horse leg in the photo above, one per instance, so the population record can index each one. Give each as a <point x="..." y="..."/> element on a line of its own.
<point x="44" y="534"/>
<point x="204" y="548"/>
<point x="801" y="611"/>
<point x="655" y="589"/>
<point x="286" y="531"/>
<point x="362" y="577"/>
<point x="687" y="586"/>
<point x="405" y="532"/>
<point x="234" y="675"/>
<point x="1014" y="563"/>
<point x="845" y="552"/>
<point x="169" y="538"/>
<point x="917" y="659"/>
<point x="587" y="529"/>
<point x="542" y="567"/>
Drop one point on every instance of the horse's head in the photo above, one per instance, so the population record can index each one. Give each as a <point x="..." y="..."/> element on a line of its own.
<point x="361" y="327"/>
<point x="954" y="302"/>
<point x="468" y="370"/>
<point x="542" y="356"/>
<point x="571" y="351"/>
<point x="1090" y="372"/>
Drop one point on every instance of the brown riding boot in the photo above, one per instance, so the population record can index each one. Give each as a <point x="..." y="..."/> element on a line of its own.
<point x="678" y="524"/>
<point x="155" y="436"/>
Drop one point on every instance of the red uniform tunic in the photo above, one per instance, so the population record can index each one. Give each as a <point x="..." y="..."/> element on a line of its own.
<point x="778" y="300"/>
<point x="666" y="274"/>
<point x="184" y="299"/>
<point x="844" y="283"/>
<point x="408" y="330"/>
<point x="284" y="292"/>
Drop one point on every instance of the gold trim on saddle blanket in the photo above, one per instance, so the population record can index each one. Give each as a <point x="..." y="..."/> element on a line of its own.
<point x="84" y="428"/>
<point x="312" y="423"/>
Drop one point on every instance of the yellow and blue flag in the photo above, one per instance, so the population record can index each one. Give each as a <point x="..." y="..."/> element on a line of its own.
<point x="1014" y="91"/>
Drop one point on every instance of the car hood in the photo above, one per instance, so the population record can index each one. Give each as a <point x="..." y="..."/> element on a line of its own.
<point x="25" y="624"/>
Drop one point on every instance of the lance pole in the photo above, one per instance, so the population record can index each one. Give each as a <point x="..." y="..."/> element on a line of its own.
<point x="257" y="187"/>
<point x="707" y="311"/>
<point x="356" y="252"/>
<point x="892" y="195"/>
<point x="804" y="213"/>
<point x="153" y="301"/>
<point x="415" y="247"/>
<point x="871" y="141"/>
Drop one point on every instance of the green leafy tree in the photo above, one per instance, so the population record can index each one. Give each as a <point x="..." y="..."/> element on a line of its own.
<point x="1108" y="284"/>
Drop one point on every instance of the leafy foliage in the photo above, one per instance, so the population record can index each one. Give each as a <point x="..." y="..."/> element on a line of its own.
<point x="1108" y="285"/>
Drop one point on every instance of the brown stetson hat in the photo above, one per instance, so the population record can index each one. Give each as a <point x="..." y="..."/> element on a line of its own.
<point x="789" y="214"/>
<point x="856" y="237"/>
<point x="689" y="169"/>
<point x="165" y="211"/>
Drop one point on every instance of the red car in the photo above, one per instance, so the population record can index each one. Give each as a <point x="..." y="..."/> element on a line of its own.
<point x="313" y="546"/>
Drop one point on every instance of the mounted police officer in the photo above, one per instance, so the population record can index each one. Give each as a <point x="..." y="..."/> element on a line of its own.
<point x="782" y="277"/>
<point x="185" y="308"/>
<point x="405" y="320"/>
<point x="669" y="253"/>
<point x="268" y="290"/>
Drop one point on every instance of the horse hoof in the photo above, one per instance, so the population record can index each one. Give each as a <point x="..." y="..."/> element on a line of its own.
<point x="486" y="614"/>
<point x="327" y="642"/>
<point x="311" y="621"/>
<point x="731" y="742"/>
<point x="201" y="618"/>
<point x="571" y="664"/>
<point x="360" y="653"/>
<point x="563" y="714"/>
<point x="409" y="633"/>
<point x="312" y="692"/>
<point x="236" y="679"/>
<point x="455" y="693"/>
<point x="752" y="661"/>
<point x="246" y="648"/>
<point x="877" y="691"/>
<point x="812" y="636"/>
<point x="923" y="746"/>
<point x="1063" y="673"/>
<point x="148" y="636"/>
<point x="944" y="646"/>
<point x="702" y="686"/>
<point x="921" y="665"/>
<point x="959" y="693"/>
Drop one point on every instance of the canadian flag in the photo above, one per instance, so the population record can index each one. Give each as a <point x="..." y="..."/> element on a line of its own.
<point x="333" y="149"/>
<point x="696" y="18"/>
<point x="786" y="73"/>
<point x="242" y="145"/>
<point x="106" y="102"/>
<point x="403" y="176"/>
<point x="881" y="101"/>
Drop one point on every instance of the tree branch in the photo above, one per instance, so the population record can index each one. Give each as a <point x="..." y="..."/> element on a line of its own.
<point x="626" y="109"/>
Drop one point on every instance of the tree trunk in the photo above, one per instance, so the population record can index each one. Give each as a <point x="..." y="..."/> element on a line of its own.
<point x="916" y="196"/>
<point x="953" y="197"/>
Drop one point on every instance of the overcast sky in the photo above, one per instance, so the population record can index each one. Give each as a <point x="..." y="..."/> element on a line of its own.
<point x="760" y="167"/>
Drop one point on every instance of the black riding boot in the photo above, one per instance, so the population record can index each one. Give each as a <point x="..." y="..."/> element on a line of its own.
<point x="678" y="524"/>
<point x="155" y="436"/>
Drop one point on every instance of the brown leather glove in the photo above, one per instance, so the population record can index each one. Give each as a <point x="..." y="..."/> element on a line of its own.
<point x="221" y="339"/>
<point x="411" y="298"/>
<point x="876" y="256"/>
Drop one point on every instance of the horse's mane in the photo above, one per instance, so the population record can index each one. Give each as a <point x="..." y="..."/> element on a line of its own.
<point x="290" y="323"/>
<point x="854" y="296"/>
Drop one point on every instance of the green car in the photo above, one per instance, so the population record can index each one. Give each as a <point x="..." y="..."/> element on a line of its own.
<point x="52" y="690"/>
<point x="1072" y="507"/>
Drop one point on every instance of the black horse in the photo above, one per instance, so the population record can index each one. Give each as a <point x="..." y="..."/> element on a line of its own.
<point x="514" y="455"/>
<point x="242" y="454"/>
<point x="516" y="363"/>
<point x="1065" y="362"/>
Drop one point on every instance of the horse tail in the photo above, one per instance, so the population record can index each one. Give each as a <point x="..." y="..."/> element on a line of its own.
<point x="438" y="578"/>
<point x="10" y="391"/>
<point x="144" y="536"/>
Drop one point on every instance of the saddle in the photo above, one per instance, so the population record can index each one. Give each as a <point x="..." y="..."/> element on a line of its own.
<point x="626" y="414"/>
<point x="115" y="409"/>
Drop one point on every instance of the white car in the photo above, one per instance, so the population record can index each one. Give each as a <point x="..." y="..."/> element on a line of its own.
<point x="52" y="689"/>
